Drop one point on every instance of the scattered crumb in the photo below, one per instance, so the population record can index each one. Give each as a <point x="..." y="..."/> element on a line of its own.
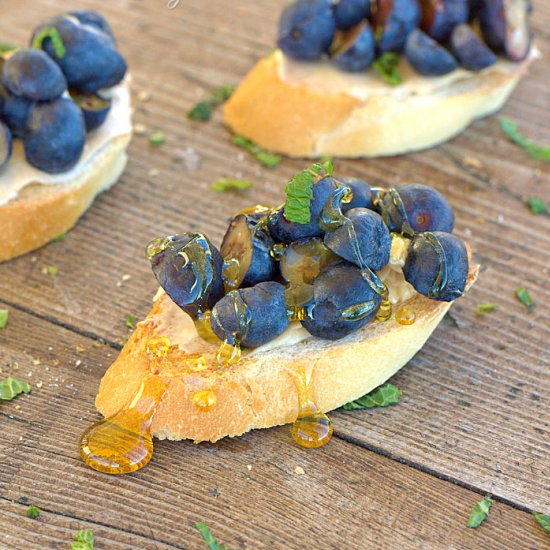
<point x="78" y="363"/>
<point x="80" y="348"/>
<point x="50" y="348"/>
<point x="140" y="129"/>
<point x="500" y="218"/>
<point x="299" y="471"/>
<point x="17" y="407"/>
<point x="153" y="173"/>
<point x="144" y="96"/>
<point x="20" y="438"/>
<point x="36" y="361"/>
<point x="126" y="277"/>
<point x="39" y="384"/>
<point x="467" y="232"/>
<point x="249" y="467"/>
<point x="472" y="162"/>
<point x="191" y="159"/>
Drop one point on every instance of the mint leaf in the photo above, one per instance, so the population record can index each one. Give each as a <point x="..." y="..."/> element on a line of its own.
<point x="203" y="109"/>
<point x="33" y="512"/>
<point x="537" y="206"/>
<point x="543" y="521"/>
<point x="267" y="158"/>
<point x="385" y="395"/>
<point x="208" y="537"/>
<point x="6" y="47"/>
<point x="156" y="139"/>
<point x="479" y="512"/>
<point x="514" y="134"/>
<point x="53" y="34"/>
<point x="4" y="314"/>
<point x="522" y="294"/>
<point x="60" y="237"/>
<point x="386" y="65"/>
<point x="83" y="540"/>
<point x="130" y="321"/>
<point x="226" y="184"/>
<point x="12" y="387"/>
<point x="482" y="309"/>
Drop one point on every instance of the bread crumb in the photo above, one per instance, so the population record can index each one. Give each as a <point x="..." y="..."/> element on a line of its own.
<point x="39" y="384"/>
<point x="249" y="467"/>
<point x="472" y="162"/>
<point x="78" y="363"/>
<point x="80" y="348"/>
<point x="299" y="471"/>
<point x="144" y="96"/>
<point x="140" y="129"/>
<point x="36" y="361"/>
<point x="153" y="173"/>
<point x="126" y="277"/>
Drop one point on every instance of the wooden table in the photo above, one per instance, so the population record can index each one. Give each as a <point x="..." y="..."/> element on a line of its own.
<point x="474" y="417"/>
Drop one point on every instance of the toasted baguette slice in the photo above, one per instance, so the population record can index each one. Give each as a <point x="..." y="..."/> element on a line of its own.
<point x="261" y="389"/>
<point x="41" y="212"/>
<point x="290" y="108"/>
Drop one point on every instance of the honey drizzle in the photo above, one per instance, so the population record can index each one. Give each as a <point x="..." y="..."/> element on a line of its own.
<point x="405" y="316"/>
<point x="440" y="281"/>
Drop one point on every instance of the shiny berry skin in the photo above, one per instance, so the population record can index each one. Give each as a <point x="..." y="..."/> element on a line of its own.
<point x="394" y="20"/>
<point x="266" y="312"/>
<point x="90" y="17"/>
<point x="348" y="13"/>
<point x="362" y="197"/>
<point x="33" y="75"/>
<point x="343" y="302"/>
<point x="440" y="17"/>
<point x="423" y="208"/>
<point x="358" y="51"/>
<point x="91" y="61"/>
<point x="437" y="266"/>
<point x="373" y="238"/>
<point x="470" y="50"/>
<point x="284" y="231"/>
<point x="189" y="268"/>
<point x="306" y="29"/>
<point x="427" y="57"/>
<point x="6" y="144"/>
<point x="15" y="114"/>
<point x="54" y="135"/>
<point x="94" y="107"/>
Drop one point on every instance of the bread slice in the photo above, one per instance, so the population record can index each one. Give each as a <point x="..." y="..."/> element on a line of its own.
<point x="41" y="212"/>
<point x="261" y="389"/>
<point x="310" y="109"/>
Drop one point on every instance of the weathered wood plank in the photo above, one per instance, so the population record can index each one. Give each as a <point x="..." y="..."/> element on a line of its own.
<point x="245" y="488"/>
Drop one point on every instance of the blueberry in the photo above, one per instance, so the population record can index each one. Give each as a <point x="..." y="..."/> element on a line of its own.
<point x="252" y="316"/>
<point x="343" y="302"/>
<point x="89" y="17"/>
<point x="440" y="17"/>
<point x="15" y="114"/>
<point x="348" y="13"/>
<point x="427" y="56"/>
<point x="94" y="107"/>
<point x="33" y="75"/>
<point x="367" y="230"/>
<point x="246" y="250"/>
<point x="286" y="232"/>
<point x="362" y="197"/>
<point x="54" y="136"/>
<point x="437" y="266"/>
<point x="470" y="50"/>
<point x="189" y="268"/>
<point x="358" y="50"/>
<point x="6" y="144"/>
<point x="394" y="20"/>
<point x="91" y="61"/>
<point x="418" y="207"/>
<point x="306" y="29"/>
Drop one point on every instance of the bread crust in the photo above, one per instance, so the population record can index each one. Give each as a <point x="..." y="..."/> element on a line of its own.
<point x="300" y="121"/>
<point x="261" y="390"/>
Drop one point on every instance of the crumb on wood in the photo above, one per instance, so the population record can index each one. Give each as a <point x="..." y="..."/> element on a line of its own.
<point x="299" y="471"/>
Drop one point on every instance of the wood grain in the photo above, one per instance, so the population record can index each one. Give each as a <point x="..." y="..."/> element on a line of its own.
<point x="246" y="489"/>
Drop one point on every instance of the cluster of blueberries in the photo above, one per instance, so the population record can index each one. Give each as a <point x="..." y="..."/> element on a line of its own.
<point x="436" y="36"/>
<point x="325" y="269"/>
<point x="51" y="93"/>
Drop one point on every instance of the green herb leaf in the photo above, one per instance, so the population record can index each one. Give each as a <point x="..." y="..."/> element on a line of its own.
<point x="50" y="270"/>
<point x="33" y="512"/>
<point x="514" y="134"/>
<point x="208" y="537"/>
<point x="156" y="139"/>
<point x="522" y="294"/>
<point x="7" y="47"/>
<point x="130" y="321"/>
<point x="382" y="396"/>
<point x="4" y="314"/>
<point x="83" y="540"/>
<point x="386" y="65"/>
<point x="60" y="237"/>
<point x="543" y="521"/>
<point x="203" y="109"/>
<point x="479" y="512"/>
<point x="267" y="158"/>
<point x="226" y="184"/>
<point x="482" y="309"/>
<point x="537" y="206"/>
<point x="12" y="387"/>
<point x="53" y="34"/>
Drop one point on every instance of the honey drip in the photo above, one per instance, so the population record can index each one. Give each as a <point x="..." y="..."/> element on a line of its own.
<point x="204" y="329"/>
<point x="405" y="316"/>
<point x="312" y="428"/>
<point x="204" y="400"/>
<point x="123" y="443"/>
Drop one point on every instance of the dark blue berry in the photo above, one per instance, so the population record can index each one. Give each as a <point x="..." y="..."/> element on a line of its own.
<point x="95" y="108"/>
<point x="286" y="232"/>
<point x="89" y="17"/>
<point x="15" y="114"/>
<point x="189" y="268"/>
<point x="6" y="144"/>
<point x="306" y="29"/>
<point x="365" y="242"/>
<point x="394" y="21"/>
<point x="33" y="75"/>
<point x="55" y="135"/>
<point x="440" y="17"/>
<point x="263" y="319"/>
<point x="427" y="56"/>
<point x="358" y="50"/>
<point x="343" y="302"/>
<point x="419" y="207"/>
<point x="362" y="197"/>
<point x="348" y="13"/>
<point x="246" y="252"/>
<point x="437" y="266"/>
<point x="470" y="50"/>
